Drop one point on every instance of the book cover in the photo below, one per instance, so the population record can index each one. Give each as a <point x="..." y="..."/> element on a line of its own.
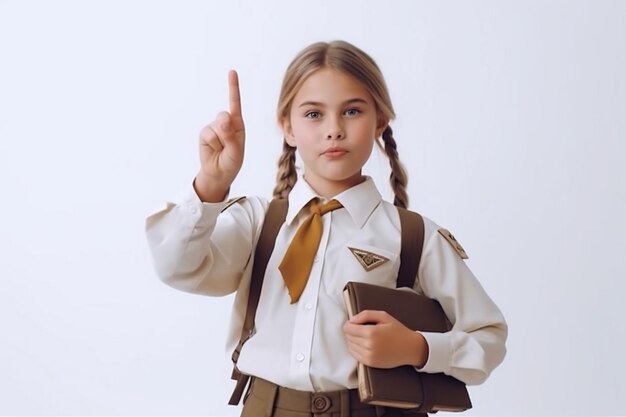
<point x="404" y="387"/>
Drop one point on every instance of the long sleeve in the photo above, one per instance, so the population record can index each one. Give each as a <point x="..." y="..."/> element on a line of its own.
<point x="201" y="247"/>
<point x="208" y="249"/>
<point x="476" y="343"/>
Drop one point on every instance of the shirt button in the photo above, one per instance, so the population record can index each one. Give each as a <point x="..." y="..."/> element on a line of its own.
<point x="308" y="306"/>
<point x="317" y="258"/>
<point x="300" y="357"/>
<point x="193" y="210"/>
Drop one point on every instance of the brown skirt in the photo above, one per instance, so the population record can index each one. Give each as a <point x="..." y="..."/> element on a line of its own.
<point x="265" y="399"/>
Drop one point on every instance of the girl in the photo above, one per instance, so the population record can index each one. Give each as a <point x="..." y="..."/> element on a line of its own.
<point x="333" y="107"/>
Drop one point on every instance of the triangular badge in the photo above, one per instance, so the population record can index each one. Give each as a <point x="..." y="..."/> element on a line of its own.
<point x="368" y="260"/>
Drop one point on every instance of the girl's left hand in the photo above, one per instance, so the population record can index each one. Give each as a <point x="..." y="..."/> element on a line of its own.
<point x="377" y="339"/>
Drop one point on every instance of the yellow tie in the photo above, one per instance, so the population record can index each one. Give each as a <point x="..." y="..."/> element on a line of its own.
<point x="298" y="260"/>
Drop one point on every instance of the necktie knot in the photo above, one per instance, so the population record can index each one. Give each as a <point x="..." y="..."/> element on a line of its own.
<point x="321" y="209"/>
<point x="298" y="260"/>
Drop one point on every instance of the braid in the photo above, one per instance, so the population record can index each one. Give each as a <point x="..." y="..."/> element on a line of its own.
<point x="287" y="176"/>
<point x="398" y="177"/>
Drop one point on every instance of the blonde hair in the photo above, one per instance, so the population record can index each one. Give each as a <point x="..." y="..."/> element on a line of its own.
<point x="345" y="57"/>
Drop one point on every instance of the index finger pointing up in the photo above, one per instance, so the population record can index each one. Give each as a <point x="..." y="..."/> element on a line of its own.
<point x="233" y="92"/>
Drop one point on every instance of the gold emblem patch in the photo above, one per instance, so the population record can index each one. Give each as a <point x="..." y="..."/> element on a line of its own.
<point x="368" y="260"/>
<point x="455" y="243"/>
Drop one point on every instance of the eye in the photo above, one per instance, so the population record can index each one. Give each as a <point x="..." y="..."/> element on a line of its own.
<point x="352" y="112"/>
<point x="313" y="115"/>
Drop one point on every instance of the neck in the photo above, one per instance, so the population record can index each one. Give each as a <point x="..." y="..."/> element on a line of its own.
<point x="329" y="189"/>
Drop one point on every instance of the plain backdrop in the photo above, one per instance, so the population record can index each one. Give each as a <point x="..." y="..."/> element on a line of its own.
<point x="510" y="120"/>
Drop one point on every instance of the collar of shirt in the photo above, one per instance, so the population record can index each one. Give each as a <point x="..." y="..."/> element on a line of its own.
<point x="360" y="201"/>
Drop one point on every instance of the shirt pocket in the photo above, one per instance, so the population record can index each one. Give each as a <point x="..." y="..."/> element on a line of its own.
<point x="359" y="262"/>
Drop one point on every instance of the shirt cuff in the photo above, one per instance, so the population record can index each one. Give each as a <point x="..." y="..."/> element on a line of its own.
<point x="439" y="352"/>
<point x="202" y="214"/>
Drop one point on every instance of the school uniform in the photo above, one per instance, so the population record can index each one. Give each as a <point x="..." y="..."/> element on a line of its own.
<point x="208" y="248"/>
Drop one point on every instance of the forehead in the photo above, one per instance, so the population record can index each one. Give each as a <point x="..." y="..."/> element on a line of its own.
<point x="329" y="86"/>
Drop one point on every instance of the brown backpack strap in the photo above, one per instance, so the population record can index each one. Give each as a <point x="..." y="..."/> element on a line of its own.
<point x="412" y="235"/>
<point x="274" y="218"/>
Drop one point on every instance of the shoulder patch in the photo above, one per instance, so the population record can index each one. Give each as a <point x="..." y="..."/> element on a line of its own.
<point x="232" y="201"/>
<point x="455" y="243"/>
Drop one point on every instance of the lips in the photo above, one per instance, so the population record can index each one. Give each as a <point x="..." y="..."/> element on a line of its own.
<point x="335" y="152"/>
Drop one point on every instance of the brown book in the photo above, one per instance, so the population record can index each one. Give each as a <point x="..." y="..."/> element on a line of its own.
<point x="404" y="387"/>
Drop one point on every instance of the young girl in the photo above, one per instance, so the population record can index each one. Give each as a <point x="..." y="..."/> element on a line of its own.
<point x="333" y="108"/>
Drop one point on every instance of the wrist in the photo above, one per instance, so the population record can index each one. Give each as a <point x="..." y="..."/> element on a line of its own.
<point x="208" y="190"/>
<point x="420" y="350"/>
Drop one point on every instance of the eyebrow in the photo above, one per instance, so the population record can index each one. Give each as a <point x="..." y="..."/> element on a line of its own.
<point x="318" y="104"/>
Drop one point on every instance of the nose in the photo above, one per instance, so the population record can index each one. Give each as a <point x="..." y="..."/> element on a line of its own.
<point x="335" y="131"/>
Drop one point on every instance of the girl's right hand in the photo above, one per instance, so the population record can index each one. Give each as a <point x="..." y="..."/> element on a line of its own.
<point x="221" y="148"/>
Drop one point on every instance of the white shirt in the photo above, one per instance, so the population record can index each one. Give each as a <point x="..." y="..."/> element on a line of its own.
<point x="198" y="249"/>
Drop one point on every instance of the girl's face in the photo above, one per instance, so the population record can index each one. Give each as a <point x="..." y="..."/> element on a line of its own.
<point x="333" y="122"/>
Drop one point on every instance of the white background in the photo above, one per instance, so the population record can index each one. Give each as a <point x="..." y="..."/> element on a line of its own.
<point x="511" y="121"/>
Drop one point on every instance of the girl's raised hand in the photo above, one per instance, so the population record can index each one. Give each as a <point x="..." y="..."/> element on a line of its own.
<point x="221" y="148"/>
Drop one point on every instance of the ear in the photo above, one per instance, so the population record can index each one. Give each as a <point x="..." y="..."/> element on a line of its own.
<point x="285" y="125"/>
<point x="381" y="125"/>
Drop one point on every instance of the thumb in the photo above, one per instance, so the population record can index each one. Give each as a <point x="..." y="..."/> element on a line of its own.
<point x="224" y="122"/>
<point x="369" y="317"/>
